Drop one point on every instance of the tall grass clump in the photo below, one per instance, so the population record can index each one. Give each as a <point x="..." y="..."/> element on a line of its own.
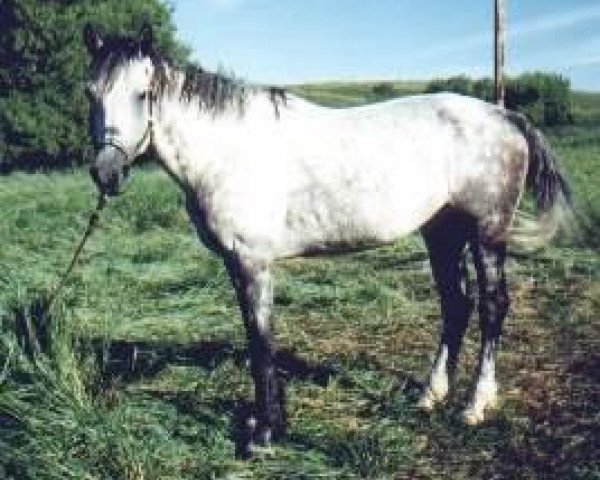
<point x="43" y="389"/>
<point x="56" y="422"/>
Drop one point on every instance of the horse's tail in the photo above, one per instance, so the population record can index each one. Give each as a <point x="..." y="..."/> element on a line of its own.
<point x="550" y="189"/>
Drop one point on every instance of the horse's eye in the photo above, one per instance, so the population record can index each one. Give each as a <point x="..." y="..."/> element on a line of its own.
<point x="142" y="96"/>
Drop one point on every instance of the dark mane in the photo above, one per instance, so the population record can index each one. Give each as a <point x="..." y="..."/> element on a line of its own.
<point x="117" y="50"/>
<point x="213" y="92"/>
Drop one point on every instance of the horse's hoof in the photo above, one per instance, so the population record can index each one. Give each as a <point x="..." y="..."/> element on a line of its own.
<point x="426" y="403"/>
<point x="253" y="450"/>
<point x="473" y="416"/>
<point x="484" y="399"/>
<point x="261" y="451"/>
<point x="256" y="441"/>
<point x="258" y="448"/>
<point x="429" y="398"/>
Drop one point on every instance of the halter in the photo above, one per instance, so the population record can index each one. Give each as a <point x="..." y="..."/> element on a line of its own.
<point x="148" y="133"/>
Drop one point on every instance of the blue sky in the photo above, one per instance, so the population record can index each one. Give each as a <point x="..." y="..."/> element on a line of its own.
<point x="295" y="41"/>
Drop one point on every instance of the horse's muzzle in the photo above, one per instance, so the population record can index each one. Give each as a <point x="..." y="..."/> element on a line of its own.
<point x="109" y="170"/>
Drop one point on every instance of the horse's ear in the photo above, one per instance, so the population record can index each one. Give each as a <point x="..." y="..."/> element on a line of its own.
<point x="92" y="38"/>
<point x="146" y="38"/>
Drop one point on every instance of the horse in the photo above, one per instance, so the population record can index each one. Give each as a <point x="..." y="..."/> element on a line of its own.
<point x="268" y="175"/>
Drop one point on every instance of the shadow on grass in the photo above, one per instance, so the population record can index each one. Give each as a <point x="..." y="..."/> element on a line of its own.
<point x="127" y="361"/>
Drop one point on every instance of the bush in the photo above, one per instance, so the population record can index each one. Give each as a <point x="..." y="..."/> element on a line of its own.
<point x="43" y="63"/>
<point x="383" y="90"/>
<point x="544" y="97"/>
<point x="484" y="88"/>
<point x="460" y="84"/>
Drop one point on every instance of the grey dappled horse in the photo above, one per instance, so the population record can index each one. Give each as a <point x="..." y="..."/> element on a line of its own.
<point x="268" y="175"/>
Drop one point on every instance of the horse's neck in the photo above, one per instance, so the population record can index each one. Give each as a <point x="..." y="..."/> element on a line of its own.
<point x="192" y="143"/>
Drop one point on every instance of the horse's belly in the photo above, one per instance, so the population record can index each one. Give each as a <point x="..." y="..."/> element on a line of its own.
<point x="351" y="216"/>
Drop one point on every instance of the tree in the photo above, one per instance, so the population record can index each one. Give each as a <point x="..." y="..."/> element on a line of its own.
<point x="43" y="111"/>
<point x="544" y="97"/>
<point x="383" y="90"/>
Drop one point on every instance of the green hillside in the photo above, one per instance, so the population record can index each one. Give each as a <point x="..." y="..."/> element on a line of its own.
<point x="341" y="94"/>
<point x="585" y="105"/>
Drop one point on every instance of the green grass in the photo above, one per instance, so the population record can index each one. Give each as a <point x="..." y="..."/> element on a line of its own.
<point x="586" y="108"/>
<point x="372" y="316"/>
<point x="338" y="94"/>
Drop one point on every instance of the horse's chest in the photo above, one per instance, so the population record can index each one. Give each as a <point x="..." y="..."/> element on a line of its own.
<point x="204" y="223"/>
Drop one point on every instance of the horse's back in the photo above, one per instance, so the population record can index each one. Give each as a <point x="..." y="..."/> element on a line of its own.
<point x="336" y="179"/>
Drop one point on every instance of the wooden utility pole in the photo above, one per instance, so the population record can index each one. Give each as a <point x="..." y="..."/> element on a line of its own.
<point x="499" y="40"/>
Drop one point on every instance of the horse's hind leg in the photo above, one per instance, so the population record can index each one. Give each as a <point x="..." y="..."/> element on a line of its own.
<point x="446" y="236"/>
<point x="489" y="258"/>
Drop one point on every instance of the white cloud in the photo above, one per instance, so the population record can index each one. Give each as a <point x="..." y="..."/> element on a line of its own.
<point x="552" y="22"/>
<point x="555" y="21"/>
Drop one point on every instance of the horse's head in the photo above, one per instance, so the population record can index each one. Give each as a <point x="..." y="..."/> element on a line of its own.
<point x="121" y="100"/>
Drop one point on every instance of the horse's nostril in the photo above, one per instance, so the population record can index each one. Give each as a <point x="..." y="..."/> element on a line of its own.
<point x="114" y="178"/>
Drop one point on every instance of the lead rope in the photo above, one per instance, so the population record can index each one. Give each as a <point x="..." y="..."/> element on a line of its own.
<point x="92" y="224"/>
<point x="30" y="319"/>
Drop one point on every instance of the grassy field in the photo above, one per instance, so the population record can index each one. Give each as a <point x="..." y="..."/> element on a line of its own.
<point x="144" y="368"/>
<point x="339" y="94"/>
<point x="587" y="108"/>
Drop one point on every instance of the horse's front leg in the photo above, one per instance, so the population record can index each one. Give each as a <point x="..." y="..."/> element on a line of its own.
<point x="253" y="284"/>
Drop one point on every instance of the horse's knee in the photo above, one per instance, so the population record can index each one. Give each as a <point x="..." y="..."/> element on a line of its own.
<point x="494" y="301"/>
